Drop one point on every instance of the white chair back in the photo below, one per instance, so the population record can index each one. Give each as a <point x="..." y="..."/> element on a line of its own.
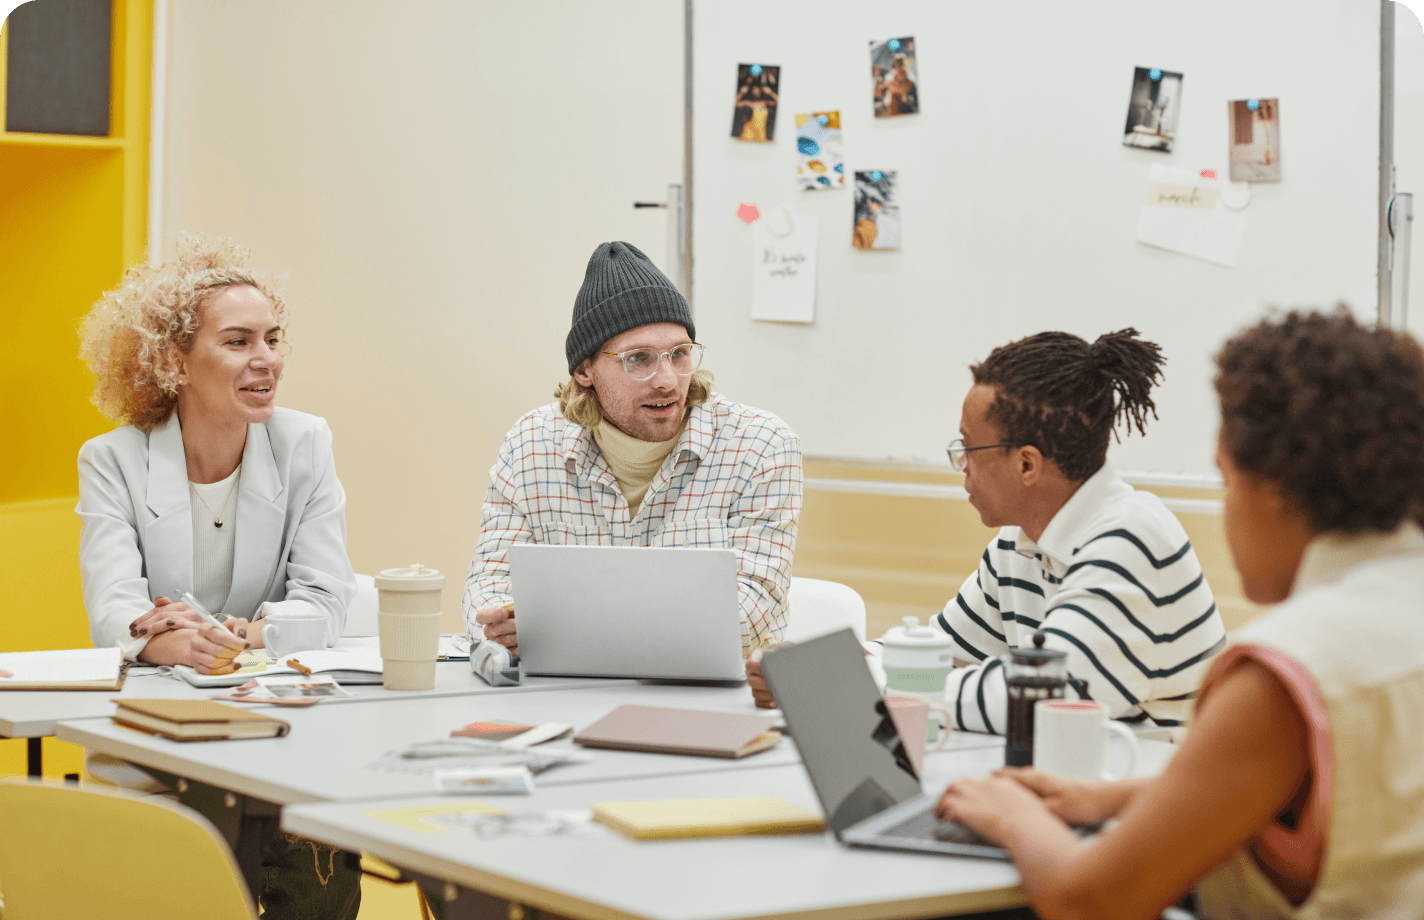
<point x="819" y="607"/>
<point x="361" y="617"/>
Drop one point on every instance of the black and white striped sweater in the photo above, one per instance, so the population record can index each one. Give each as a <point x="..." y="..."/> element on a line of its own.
<point x="1114" y="582"/>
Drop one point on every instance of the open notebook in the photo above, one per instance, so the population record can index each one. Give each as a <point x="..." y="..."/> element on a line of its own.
<point x="348" y="666"/>
<point x="65" y="669"/>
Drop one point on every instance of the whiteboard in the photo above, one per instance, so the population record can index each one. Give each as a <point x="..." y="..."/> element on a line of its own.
<point x="1019" y="202"/>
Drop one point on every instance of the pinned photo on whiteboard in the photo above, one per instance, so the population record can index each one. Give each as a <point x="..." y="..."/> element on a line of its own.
<point x="894" y="78"/>
<point x="754" y="110"/>
<point x="818" y="151"/>
<point x="1255" y="140"/>
<point x="877" y="212"/>
<point x="1153" y="109"/>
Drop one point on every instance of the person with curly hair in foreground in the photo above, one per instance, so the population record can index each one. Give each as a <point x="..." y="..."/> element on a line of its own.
<point x="208" y="487"/>
<point x="1297" y="792"/>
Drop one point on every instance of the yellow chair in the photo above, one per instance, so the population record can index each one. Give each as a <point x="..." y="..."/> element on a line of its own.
<point x="71" y="852"/>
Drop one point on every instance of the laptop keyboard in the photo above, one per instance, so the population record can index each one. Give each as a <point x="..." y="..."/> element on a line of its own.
<point x="926" y="826"/>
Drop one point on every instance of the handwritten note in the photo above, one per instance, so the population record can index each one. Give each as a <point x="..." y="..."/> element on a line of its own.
<point x="1186" y="212"/>
<point x="784" y="267"/>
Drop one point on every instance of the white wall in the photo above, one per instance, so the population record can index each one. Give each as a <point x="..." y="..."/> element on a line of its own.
<point x="432" y="175"/>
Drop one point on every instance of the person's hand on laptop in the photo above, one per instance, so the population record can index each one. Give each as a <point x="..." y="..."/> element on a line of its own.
<point x="761" y="691"/>
<point x="499" y="626"/>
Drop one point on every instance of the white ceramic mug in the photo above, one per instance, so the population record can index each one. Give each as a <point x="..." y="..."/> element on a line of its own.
<point x="287" y="635"/>
<point x="1070" y="739"/>
<point x="912" y="716"/>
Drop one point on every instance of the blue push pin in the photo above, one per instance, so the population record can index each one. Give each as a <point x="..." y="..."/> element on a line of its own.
<point x="1155" y="73"/>
<point x="894" y="44"/>
<point x="1253" y="104"/>
<point x="876" y="175"/>
<point x="823" y="121"/>
<point x="756" y="70"/>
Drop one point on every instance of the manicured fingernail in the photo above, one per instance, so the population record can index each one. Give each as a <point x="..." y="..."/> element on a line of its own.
<point x="242" y="633"/>
<point x="247" y="645"/>
<point x="170" y="623"/>
<point x="143" y="632"/>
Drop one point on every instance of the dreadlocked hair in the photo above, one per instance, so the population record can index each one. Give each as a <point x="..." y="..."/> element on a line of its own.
<point x="1065" y="396"/>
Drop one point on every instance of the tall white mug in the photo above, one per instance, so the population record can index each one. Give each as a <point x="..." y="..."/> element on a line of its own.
<point x="1070" y="739"/>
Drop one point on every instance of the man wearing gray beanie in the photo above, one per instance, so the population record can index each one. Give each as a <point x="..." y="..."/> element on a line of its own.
<point x="638" y="451"/>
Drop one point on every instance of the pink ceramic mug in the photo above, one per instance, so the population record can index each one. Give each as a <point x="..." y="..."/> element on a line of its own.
<point x="912" y="716"/>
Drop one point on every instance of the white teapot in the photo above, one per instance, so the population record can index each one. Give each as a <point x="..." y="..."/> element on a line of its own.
<point x="917" y="658"/>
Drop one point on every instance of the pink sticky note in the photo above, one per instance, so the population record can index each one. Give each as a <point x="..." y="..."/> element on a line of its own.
<point x="748" y="212"/>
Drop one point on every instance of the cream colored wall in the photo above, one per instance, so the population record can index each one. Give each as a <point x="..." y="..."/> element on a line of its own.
<point x="433" y="177"/>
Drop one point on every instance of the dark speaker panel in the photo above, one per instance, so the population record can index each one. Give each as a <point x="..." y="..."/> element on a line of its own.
<point x="57" y="79"/>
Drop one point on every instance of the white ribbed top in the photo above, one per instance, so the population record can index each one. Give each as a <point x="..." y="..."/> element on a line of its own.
<point x="213" y="546"/>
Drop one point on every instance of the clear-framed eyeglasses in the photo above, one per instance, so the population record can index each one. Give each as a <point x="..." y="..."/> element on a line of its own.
<point x="642" y="363"/>
<point x="959" y="454"/>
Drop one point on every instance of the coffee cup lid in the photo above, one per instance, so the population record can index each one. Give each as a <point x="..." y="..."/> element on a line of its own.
<point x="414" y="577"/>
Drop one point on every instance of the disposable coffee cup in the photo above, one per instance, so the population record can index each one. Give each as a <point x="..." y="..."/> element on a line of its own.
<point x="409" y="621"/>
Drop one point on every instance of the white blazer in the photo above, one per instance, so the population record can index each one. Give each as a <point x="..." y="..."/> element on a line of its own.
<point x="136" y="536"/>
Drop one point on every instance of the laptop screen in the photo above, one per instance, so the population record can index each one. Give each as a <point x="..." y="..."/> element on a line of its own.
<point x="836" y="716"/>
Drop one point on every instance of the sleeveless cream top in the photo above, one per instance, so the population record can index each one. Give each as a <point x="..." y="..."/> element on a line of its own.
<point x="1355" y="623"/>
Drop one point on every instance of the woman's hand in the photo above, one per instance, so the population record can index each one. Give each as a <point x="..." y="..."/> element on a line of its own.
<point x="246" y="630"/>
<point x="992" y="806"/>
<point x="164" y="616"/>
<point x="1075" y="801"/>
<point x="499" y="626"/>
<point x="208" y="649"/>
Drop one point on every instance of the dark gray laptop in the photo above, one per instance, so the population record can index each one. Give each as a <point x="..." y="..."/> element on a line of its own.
<point x="857" y="763"/>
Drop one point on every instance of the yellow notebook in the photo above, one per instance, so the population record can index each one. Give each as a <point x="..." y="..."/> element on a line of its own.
<point x="707" y="818"/>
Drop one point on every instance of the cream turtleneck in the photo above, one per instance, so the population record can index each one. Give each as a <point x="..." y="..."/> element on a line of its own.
<point x="634" y="463"/>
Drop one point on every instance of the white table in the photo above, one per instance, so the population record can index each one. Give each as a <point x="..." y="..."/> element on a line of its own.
<point x="327" y="755"/>
<point x="605" y="875"/>
<point x="33" y="714"/>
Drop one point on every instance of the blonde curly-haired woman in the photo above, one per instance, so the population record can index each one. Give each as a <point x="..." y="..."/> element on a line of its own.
<point x="207" y="487"/>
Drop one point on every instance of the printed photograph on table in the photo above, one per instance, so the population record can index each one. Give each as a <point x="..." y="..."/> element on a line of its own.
<point x="818" y="151"/>
<point x="893" y="76"/>
<point x="754" y="111"/>
<point x="1153" y="109"/>
<point x="1255" y="140"/>
<point x="877" y="213"/>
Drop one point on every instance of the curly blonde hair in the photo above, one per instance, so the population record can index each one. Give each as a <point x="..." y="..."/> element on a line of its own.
<point x="133" y="334"/>
<point x="579" y="404"/>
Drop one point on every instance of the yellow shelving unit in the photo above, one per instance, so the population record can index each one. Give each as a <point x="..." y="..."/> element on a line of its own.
<point x="73" y="216"/>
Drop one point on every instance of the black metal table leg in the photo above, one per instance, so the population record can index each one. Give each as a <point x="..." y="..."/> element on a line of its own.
<point x="35" y="752"/>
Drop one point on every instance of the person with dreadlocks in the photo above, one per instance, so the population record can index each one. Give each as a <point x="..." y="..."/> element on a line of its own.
<point x="1104" y="570"/>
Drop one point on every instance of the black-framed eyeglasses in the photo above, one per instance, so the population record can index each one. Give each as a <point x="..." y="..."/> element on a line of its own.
<point x="643" y="363"/>
<point x="959" y="454"/>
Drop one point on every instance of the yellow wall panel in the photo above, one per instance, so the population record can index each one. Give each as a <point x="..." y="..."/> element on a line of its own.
<point x="61" y="232"/>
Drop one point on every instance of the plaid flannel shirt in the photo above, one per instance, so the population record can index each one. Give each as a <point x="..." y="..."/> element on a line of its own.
<point x="732" y="480"/>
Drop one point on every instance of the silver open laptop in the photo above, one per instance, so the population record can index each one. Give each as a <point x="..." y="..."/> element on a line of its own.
<point x="857" y="763"/>
<point x="622" y="611"/>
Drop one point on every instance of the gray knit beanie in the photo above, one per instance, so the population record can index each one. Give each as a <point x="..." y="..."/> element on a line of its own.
<point x="622" y="290"/>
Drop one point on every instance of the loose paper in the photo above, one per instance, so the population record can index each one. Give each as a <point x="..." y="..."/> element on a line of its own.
<point x="784" y="267"/>
<point x="1185" y="212"/>
<point x="1255" y="126"/>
